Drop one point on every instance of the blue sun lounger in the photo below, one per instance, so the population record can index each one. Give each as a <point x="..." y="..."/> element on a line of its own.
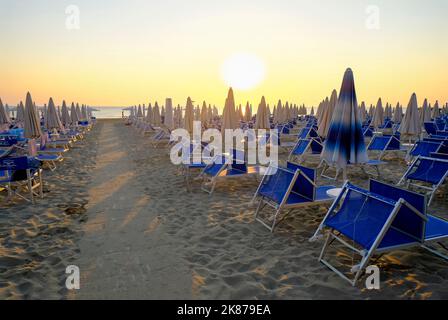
<point x="21" y="177"/>
<point x="308" y="132"/>
<point x="227" y="166"/>
<point x="162" y="135"/>
<point x="424" y="149"/>
<point x="430" y="128"/>
<point x="288" y="189"/>
<point x="305" y="147"/>
<point x="375" y="221"/>
<point x="432" y="172"/>
<point x="383" y="144"/>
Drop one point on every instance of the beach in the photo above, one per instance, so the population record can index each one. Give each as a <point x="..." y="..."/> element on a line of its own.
<point x="119" y="210"/>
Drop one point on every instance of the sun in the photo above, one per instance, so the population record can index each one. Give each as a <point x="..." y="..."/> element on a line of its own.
<point x="243" y="71"/>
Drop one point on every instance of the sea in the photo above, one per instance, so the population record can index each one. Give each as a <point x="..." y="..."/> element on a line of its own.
<point x="109" y="112"/>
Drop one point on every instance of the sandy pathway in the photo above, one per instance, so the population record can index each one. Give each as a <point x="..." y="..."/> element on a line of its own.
<point x="121" y="255"/>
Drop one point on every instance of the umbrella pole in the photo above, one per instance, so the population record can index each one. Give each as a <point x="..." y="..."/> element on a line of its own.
<point x="344" y="174"/>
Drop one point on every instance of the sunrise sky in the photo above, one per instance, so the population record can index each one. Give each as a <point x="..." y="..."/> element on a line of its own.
<point x="129" y="51"/>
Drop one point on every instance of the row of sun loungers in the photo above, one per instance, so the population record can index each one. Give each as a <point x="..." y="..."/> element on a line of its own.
<point x="20" y="173"/>
<point x="368" y="222"/>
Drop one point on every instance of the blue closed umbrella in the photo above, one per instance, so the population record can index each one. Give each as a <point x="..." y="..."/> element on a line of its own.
<point x="345" y="142"/>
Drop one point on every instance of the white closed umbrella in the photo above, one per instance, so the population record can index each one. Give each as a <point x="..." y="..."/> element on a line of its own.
<point x="78" y="112"/>
<point x="74" y="119"/>
<point x="189" y="116"/>
<point x="20" y="114"/>
<point x="84" y="113"/>
<point x="215" y="112"/>
<point x="65" y="115"/>
<point x="262" y="120"/>
<point x="149" y="114"/>
<point x="157" y="120"/>
<point x="228" y="115"/>
<point x="425" y="115"/>
<point x="436" y="111"/>
<point x="247" y="113"/>
<point x="362" y="112"/>
<point x="139" y="111"/>
<point x="378" y="115"/>
<point x="398" y="116"/>
<point x="32" y="129"/>
<point x="278" y="112"/>
<point x="324" y="126"/>
<point x="169" y="116"/>
<point x="209" y="114"/>
<point x="52" y="118"/>
<point x="4" y="117"/>
<point x="410" y="125"/>
<point x="204" y="114"/>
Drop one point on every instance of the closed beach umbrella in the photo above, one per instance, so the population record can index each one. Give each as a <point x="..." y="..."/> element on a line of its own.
<point x="345" y="141"/>
<point x="247" y="113"/>
<point x="20" y="116"/>
<point x="139" y="111"/>
<point x="228" y="115"/>
<point x="180" y="119"/>
<point x="189" y="116"/>
<point x="149" y="114"/>
<point x="362" y="112"/>
<point x="204" y="114"/>
<point x="32" y="128"/>
<point x="378" y="115"/>
<point x="78" y="112"/>
<point x="312" y="111"/>
<point x="157" y="120"/>
<point x="209" y="114"/>
<point x="436" y="111"/>
<point x="4" y="117"/>
<point x="410" y="125"/>
<point x="425" y="114"/>
<point x="327" y="115"/>
<point x="53" y="121"/>
<point x="84" y="113"/>
<point x="398" y="116"/>
<point x="73" y="115"/>
<point x="215" y="112"/>
<point x="169" y="116"/>
<point x="262" y="120"/>
<point x="8" y="111"/>
<point x="321" y="114"/>
<point x="65" y="115"/>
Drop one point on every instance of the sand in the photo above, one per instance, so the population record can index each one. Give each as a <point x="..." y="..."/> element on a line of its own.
<point x="119" y="210"/>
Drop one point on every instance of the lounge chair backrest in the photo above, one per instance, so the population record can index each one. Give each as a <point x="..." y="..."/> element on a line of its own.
<point x="379" y="143"/>
<point x="406" y="220"/>
<point x="18" y="163"/>
<point x="361" y="216"/>
<point x="7" y="141"/>
<point x="220" y="162"/>
<point x="304" y="185"/>
<point x="424" y="148"/>
<point x="394" y="143"/>
<point x="301" y="147"/>
<point x="276" y="183"/>
<point x="238" y="160"/>
<point x="429" y="170"/>
<point x="316" y="146"/>
<point x="430" y="127"/>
